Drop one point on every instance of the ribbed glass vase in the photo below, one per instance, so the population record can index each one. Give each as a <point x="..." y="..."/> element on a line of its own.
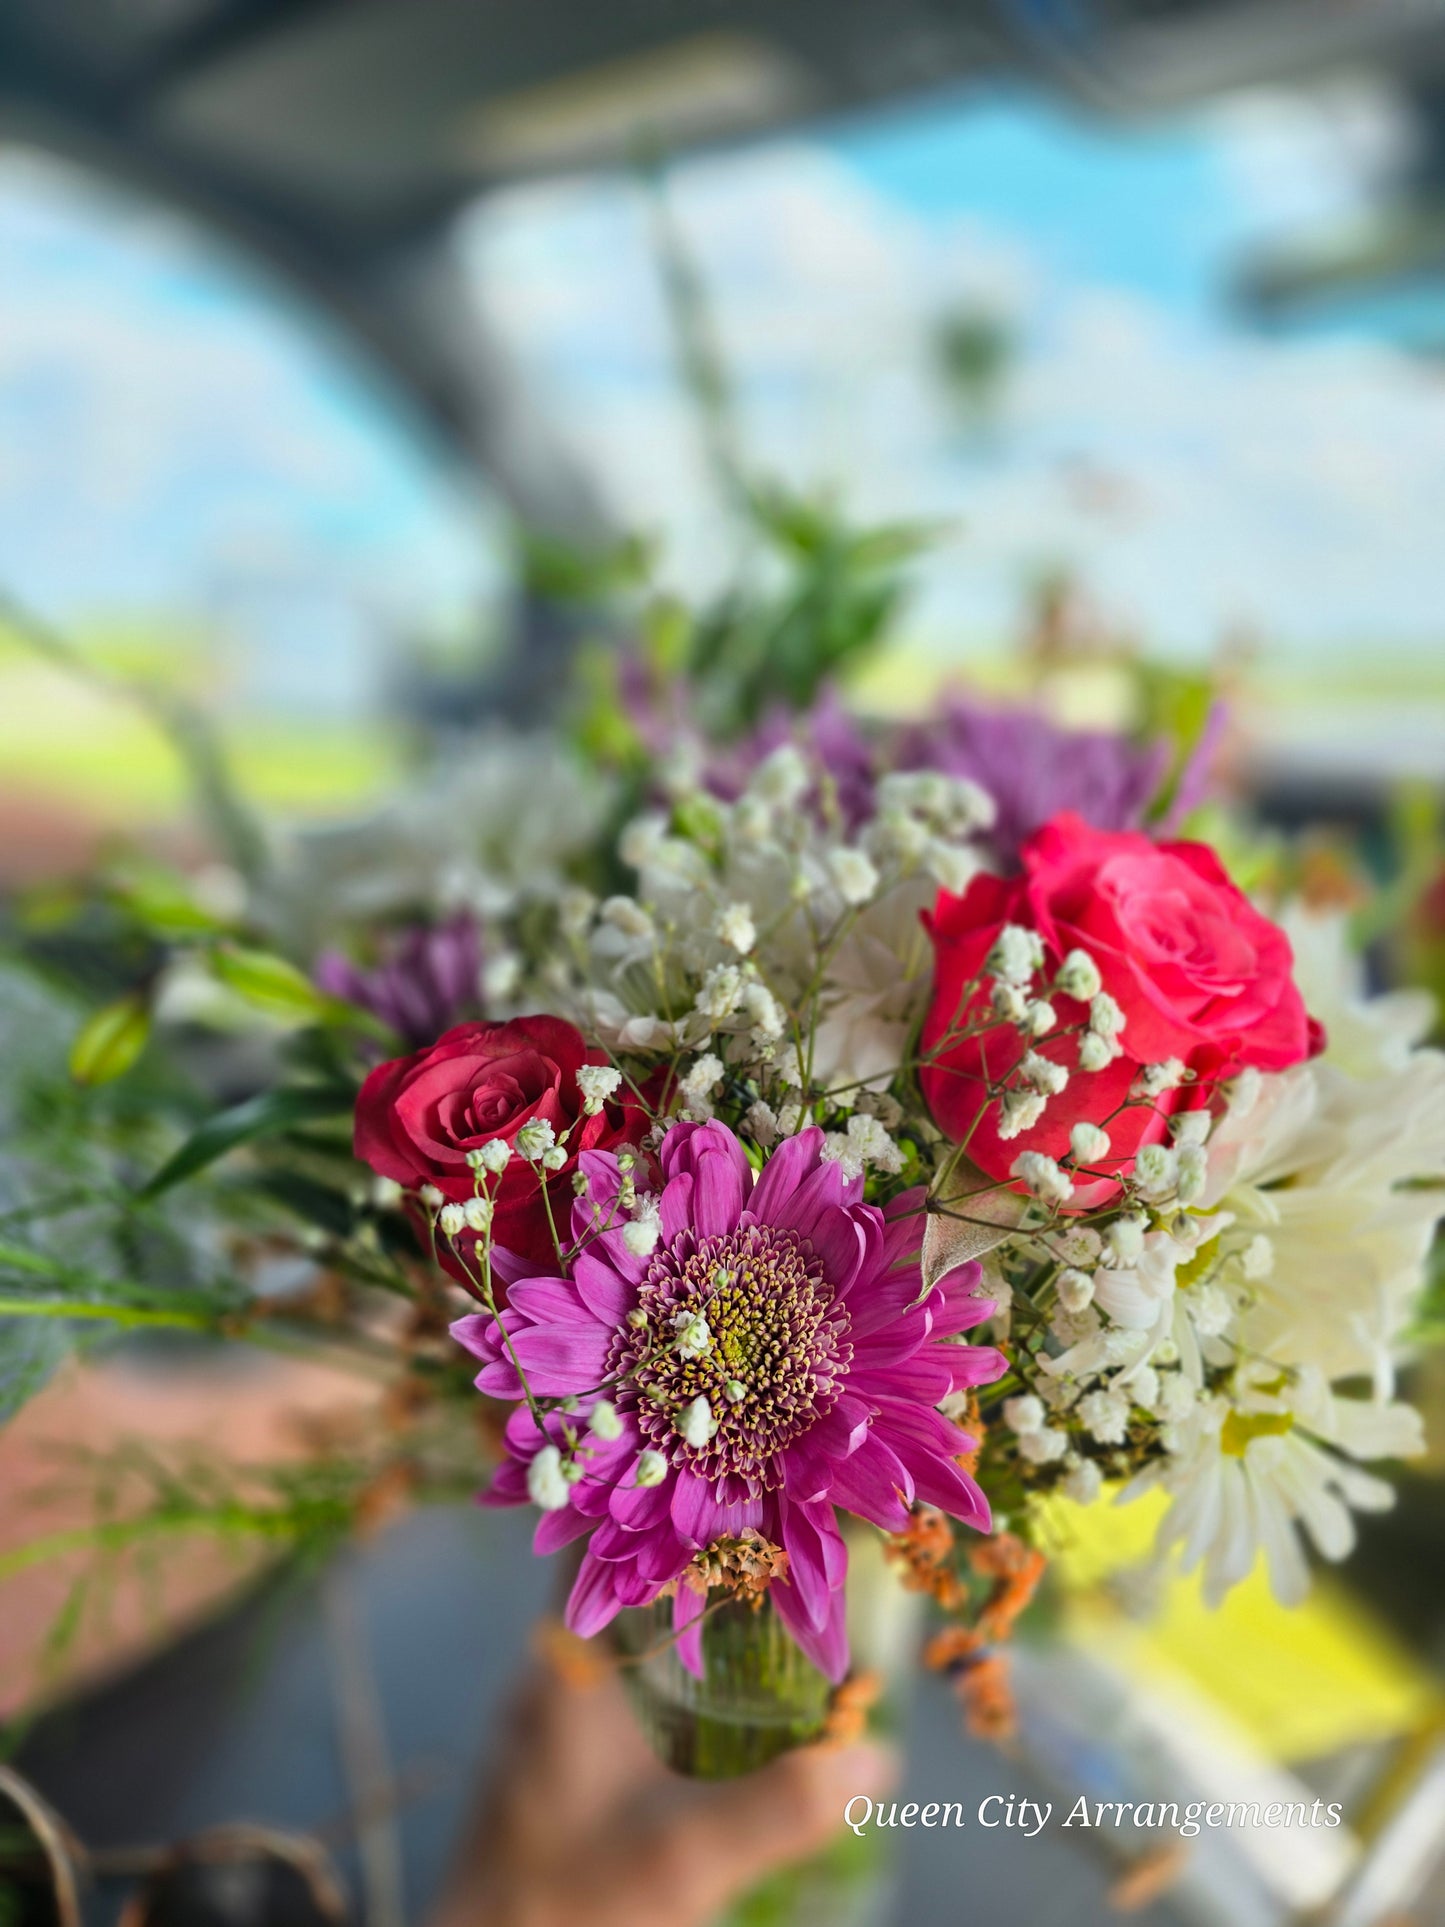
<point x="757" y="1698"/>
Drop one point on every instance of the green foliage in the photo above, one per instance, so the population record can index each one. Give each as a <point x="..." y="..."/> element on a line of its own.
<point x="160" y="903"/>
<point x="264" y="1115"/>
<point x="88" y="1252"/>
<point x="1428" y="1325"/>
<point x="562" y="572"/>
<point x="30" y="1354"/>
<point x="274" y="986"/>
<point x="111" y="1041"/>
<point x="220" y="807"/>
<point x="975" y="350"/>
<point x="835" y="594"/>
<point x="1176" y="706"/>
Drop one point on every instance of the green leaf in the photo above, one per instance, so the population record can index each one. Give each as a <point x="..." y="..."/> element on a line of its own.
<point x="317" y="1203"/>
<point x="161" y="902"/>
<point x="111" y="1041"/>
<point x="271" y="984"/>
<point x="30" y="1352"/>
<point x="263" y="1116"/>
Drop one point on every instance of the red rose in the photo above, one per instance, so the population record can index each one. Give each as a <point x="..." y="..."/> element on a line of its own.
<point x="1198" y="973"/>
<point x="417" y="1117"/>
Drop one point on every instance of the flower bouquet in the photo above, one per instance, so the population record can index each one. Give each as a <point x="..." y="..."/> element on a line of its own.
<point x="878" y="1168"/>
<point x="832" y="1150"/>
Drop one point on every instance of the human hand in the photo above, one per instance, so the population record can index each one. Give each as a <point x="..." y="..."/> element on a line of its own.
<point x="581" y="1815"/>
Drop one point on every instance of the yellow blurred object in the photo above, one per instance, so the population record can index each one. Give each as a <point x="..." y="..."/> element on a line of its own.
<point x="1300" y="1681"/>
<point x="87" y="748"/>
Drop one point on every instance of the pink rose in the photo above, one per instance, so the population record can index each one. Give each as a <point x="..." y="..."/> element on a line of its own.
<point x="1198" y="974"/>
<point x="418" y="1117"/>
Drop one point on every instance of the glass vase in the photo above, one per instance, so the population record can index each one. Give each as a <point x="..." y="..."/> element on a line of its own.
<point x="758" y="1698"/>
<point x="758" y="1695"/>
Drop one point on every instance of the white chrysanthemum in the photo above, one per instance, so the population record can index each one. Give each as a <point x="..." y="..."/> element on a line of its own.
<point x="875" y="988"/>
<point x="497" y="822"/>
<point x="1346" y="1130"/>
<point x="1250" y="1482"/>
<point x="1257" y="1259"/>
<point x="1141" y="1294"/>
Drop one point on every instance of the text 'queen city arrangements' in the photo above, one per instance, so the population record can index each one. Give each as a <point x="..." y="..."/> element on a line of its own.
<point x="1032" y="1816"/>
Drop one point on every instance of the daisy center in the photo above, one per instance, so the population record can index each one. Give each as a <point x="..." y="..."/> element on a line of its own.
<point x="746" y="1323"/>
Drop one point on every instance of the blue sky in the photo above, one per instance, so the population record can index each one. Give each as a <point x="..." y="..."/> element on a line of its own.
<point x="1202" y="480"/>
<point x="1153" y="211"/>
<point x="174" y="437"/>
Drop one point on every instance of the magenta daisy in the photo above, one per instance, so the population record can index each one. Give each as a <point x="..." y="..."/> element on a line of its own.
<point x="773" y="1358"/>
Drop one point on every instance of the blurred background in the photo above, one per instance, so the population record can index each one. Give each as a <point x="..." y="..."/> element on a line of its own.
<point x="359" y="362"/>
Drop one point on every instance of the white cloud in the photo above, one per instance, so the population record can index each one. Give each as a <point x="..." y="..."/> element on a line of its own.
<point x="167" y="424"/>
<point x="1298" y="486"/>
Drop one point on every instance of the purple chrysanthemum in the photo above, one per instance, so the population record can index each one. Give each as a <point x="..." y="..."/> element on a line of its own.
<point x="1033" y="768"/>
<point x="425" y="979"/>
<point x="775" y="1355"/>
